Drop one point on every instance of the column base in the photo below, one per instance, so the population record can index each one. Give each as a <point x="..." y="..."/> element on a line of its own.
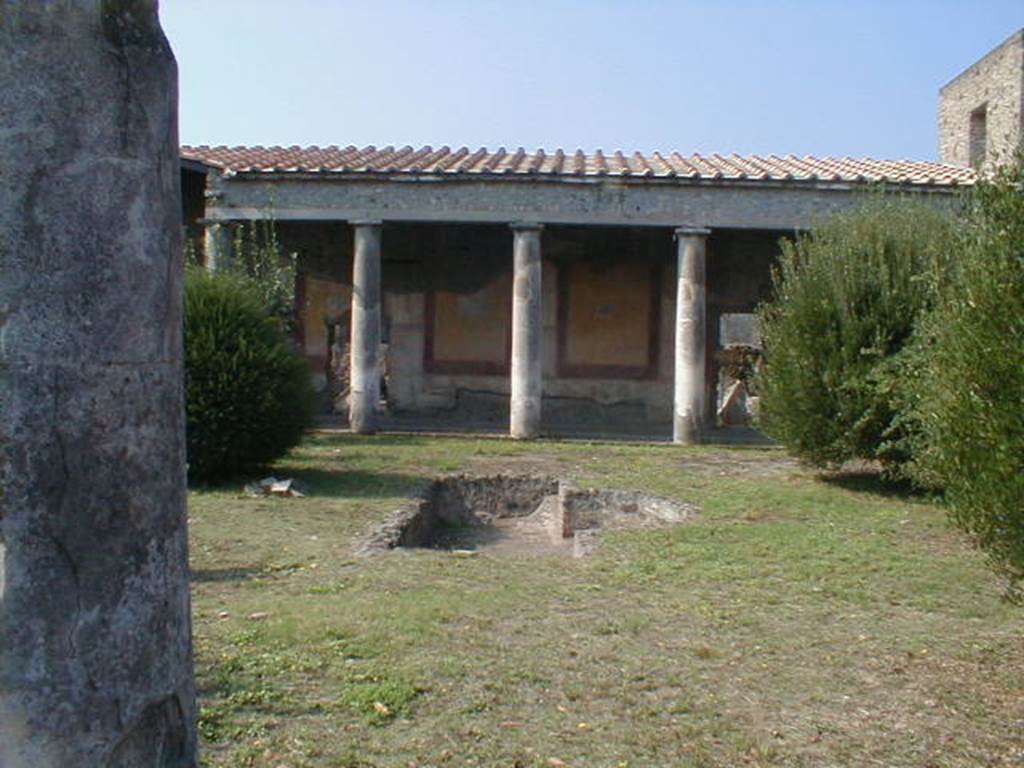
<point x="524" y="434"/>
<point x="686" y="430"/>
<point x="362" y="420"/>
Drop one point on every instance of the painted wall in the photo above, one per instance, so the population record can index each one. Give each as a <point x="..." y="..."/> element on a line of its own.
<point x="608" y="308"/>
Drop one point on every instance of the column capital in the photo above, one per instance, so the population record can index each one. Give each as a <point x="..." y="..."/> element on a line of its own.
<point x="689" y="231"/>
<point x="366" y="222"/>
<point x="526" y="226"/>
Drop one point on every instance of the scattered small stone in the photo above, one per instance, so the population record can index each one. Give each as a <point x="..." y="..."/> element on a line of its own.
<point x="271" y="486"/>
<point x="259" y="615"/>
<point x="223" y="615"/>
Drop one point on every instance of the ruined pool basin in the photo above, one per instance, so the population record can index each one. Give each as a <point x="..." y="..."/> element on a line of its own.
<point x="518" y="514"/>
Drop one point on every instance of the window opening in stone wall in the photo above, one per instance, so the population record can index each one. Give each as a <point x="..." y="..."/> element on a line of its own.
<point x="978" y="136"/>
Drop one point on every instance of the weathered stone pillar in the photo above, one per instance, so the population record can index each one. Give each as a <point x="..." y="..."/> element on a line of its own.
<point x="95" y="640"/>
<point x="365" y="376"/>
<point x="526" y="384"/>
<point x="216" y="245"/>
<point x="689" y="412"/>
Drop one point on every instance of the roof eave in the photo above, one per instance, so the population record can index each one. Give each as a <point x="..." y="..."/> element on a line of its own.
<point x="844" y="185"/>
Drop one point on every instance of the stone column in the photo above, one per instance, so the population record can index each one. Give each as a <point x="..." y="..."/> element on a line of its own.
<point x="216" y="245"/>
<point x="689" y="412"/>
<point x="95" y="636"/>
<point x="526" y="384"/>
<point x="364" y="380"/>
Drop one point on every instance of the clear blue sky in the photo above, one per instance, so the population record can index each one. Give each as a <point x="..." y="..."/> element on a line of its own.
<point x="814" y="77"/>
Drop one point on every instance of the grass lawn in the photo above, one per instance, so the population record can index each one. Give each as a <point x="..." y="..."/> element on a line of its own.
<point x="799" y="621"/>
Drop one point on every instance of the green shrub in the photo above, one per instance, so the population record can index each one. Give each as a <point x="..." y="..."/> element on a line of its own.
<point x="258" y="256"/>
<point x="970" y="407"/>
<point x="847" y="296"/>
<point x="249" y="395"/>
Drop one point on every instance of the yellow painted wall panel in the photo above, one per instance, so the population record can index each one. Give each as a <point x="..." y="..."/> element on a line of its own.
<point x="609" y="314"/>
<point x="322" y="300"/>
<point x="473" y="327"/>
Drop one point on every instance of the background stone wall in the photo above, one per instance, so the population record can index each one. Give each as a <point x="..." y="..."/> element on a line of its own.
<point x="997" y="82"/>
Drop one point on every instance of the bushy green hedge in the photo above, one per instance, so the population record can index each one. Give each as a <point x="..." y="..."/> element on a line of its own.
<point x="969" y="402"/>
<point x="249" y="395"/>
<point x="847" y="296"/>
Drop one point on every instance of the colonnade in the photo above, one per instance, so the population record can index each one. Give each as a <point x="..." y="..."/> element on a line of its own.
<point x="689" y="422"/>
<point x="689" y="410"/>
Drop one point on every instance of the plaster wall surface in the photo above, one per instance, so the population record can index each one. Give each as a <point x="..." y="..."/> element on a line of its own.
<point x="994" y="85"/>
<point x="738" y="205"/>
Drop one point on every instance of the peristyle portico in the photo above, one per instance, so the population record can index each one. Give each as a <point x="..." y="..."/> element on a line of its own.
<point x="551" y="288"/>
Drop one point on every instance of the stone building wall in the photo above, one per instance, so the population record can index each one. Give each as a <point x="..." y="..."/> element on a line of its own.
<point x="981" y="110"/>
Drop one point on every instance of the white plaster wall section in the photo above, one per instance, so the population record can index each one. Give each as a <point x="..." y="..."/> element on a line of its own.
<point x="736" y="204"/>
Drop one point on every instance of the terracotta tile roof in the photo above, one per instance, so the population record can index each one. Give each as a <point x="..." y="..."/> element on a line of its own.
<point x="446" y="162"/>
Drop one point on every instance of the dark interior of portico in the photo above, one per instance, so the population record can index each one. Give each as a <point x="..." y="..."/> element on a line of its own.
<point x="608" y="303"/>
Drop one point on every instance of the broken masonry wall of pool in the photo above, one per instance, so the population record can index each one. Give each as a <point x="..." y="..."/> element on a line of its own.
<point x="518" y="514"/>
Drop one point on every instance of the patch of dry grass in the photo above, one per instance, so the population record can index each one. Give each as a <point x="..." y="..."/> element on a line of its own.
<point x="797" y="622"/>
